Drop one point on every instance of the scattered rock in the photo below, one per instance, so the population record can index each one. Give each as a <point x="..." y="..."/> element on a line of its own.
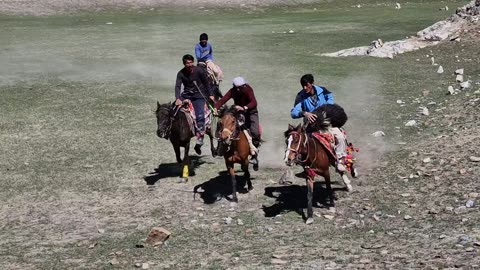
<point x="102" y="231"/>
<point x="92" y="245"/>
<point x="474" y="159"/>
<point x="465" y="85"/>
<point x="145" y="266"/>
<point x="157" y="236"/>
<point x="440" y="70"/>
<point x="278" y="261"/>
<point x="442" y="236"/>
<point x="398" y="6"/>
<point x="470" y="204"/>
<point x="329" y="217"/>
<point x="425" y="111"/>
<point x="411" y="123"/>
<point x="227" y="220"/>
<point x="433" y="211"/>
<point x="114" y="261"/>
<point x="378" y="134"/>
<point x="470" y="249"/>
<point x="109" y="23"/>
<point x="459" y="78"/>
<point x="459" y="71"/>
<point x="407" y="217"/>
<point x="400" y="101"/>
<point x="427" y="160"/>
<point x="450" y="90"/>
<point x="239" y="222"/>
<point x="138" y="265"/>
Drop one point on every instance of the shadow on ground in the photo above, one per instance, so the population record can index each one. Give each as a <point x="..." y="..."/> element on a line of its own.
<point x="294" y="198"/>
<point x="220" y="187"/>
<point x="166" y="170"/>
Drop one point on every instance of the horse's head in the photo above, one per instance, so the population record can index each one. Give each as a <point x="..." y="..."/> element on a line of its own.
<point x="164" y="120"/>
<point x="227" y="125"/>
<point x="295" y="139"/>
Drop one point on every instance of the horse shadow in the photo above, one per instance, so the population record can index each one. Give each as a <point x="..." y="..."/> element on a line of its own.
<point x="294" y="198"/>
<point x="219" y="187"/>
<point x="174" y="169"/>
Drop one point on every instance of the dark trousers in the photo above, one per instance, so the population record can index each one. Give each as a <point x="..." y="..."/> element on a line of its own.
<point x="252" y="123"/>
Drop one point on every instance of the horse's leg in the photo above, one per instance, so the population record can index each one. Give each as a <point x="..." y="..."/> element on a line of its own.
<point x="247" y="175"/>
<point x="309" y="199"/>
<point x="328" y="184"/>
<point x="231" y="171"/>
<point x="186" y="162"/>
<point x="176" y="148"/>
<point x="346" y="181"/>
<point x="212" y="147"/>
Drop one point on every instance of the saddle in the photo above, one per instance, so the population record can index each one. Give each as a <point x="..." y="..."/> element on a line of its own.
<point x="193" y="124"/>
<point x="328" y="142"/>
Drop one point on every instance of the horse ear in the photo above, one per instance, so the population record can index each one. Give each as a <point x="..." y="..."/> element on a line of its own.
<point x="290" y="127"/>
<point x="299" y="127"/>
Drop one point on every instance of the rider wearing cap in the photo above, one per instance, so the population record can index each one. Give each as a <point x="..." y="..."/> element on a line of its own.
<point x="246" y="103"/>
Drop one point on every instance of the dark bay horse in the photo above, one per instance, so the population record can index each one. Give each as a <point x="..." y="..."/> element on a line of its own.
<point x="233" y="146"/>
<point x="176" y="124"/>
<point x="303" y="149"/>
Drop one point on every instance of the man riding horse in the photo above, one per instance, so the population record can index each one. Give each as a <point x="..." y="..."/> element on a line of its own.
<point x="204" y="54"/>
<point x="195" y="90"/>
<point x="310" y="98"/>
<point x="246" y="104"/>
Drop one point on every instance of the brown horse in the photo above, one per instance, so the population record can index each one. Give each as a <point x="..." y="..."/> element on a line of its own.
<point x="304" y="150"/>
<point x="233" y="146"/>
<point x="176" y="124"/>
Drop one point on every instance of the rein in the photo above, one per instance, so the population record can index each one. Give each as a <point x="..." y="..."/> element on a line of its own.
<point x="305" y="145"/>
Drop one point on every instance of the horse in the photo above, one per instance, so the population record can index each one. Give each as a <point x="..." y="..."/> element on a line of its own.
<point x="176" y="124"/>
<point x="315" y="158"/>
<point x="233" y="146"/>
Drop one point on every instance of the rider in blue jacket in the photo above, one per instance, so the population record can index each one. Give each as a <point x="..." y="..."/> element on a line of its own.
<point x="310" y="98"/>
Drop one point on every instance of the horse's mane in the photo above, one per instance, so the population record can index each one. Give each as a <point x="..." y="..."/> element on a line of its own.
<point x="164" y="105"/>
<point x="227" y="110"/>
<point x="290" y="129"/>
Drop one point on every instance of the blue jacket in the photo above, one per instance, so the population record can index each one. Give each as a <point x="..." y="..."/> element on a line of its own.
<point x="308" y="103"/>
<point x="204" y="53"/>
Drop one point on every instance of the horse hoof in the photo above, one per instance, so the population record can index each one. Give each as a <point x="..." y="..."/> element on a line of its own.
<point x="354" y="173"/>
<point x="309" y="221"/>
<point x="255" y="167"/>
<point x="198" y="149"/>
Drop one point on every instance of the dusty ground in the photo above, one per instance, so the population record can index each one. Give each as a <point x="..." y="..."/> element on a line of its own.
<point x="84" y="178"/>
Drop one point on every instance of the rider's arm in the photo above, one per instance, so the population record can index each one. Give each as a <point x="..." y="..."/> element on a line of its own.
<point x="224" y="99"/>
<point x="198" y="52"/>
<point x="178" y="85"/>
<point x="296" y="111"/>
<point x="329" y="98"/>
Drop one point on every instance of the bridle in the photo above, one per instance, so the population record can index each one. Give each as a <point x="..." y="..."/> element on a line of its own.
<point x="301" y="145"/>
<point x="229" y="138"/>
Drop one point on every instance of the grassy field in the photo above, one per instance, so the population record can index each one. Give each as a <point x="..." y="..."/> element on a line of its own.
<point x="78" y="143"/>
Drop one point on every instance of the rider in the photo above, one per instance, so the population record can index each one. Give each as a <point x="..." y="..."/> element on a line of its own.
<point x="246" y="103"/>
<point x="195" y="89"/>
<point x="310" y="98"/>
<point x="204" y="54"/>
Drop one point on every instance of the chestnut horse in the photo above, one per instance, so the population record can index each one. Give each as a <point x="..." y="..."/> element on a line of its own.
<point x="176" y="124"/>
<point x="233" y="146"/>
<point x="304" y="150"/>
